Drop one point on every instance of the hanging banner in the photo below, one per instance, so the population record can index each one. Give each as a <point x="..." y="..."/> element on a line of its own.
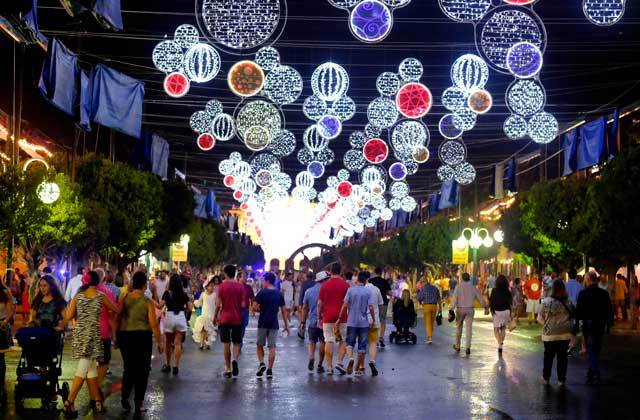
<point x="179" y="252"/>
<point x="459" y="255"/>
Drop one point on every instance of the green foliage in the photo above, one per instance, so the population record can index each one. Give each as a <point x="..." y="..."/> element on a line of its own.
<point x="177" y="205"/>
<point x="208" y="243"/>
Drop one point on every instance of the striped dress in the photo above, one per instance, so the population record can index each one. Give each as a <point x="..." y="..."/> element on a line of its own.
<point x="86" y="335"/>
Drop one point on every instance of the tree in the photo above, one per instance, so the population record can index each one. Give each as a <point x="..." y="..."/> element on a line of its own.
<point x="177" y="214"/>
<point x="208" y="243"/>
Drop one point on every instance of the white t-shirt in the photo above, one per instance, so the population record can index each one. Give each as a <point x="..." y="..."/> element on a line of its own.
<point x="72" y="288"/>
<point x="161" y="287"/>
<point x="286" y="287"/>
<point x="376" y="297"/>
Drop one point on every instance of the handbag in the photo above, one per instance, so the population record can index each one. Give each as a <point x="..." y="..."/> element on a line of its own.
<point x="439" y="318"/>
<point x="452" y="315"/>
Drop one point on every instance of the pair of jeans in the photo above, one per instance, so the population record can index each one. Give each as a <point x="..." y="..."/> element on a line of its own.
<point x="245" y="320"/>
<point x="556" y="349"/>
<point x="464" y="316"/>
<point x="136" y="348"/>
<point x="359" y="333"/>
<point x="430" y="310"/>
<point x="593" y="342"/>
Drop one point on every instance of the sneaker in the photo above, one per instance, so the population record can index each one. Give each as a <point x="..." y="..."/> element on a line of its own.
<point x="269" y="374"/>
<point x="429" y="340"/>
<point x="374" y="369"/>
<point x="330" y="371"/>
<point x="310" y="365"/>
<point x="341" y="370"/>
<point x="359" y="372"/>
<point x="234" y="368"/>
<point x="261" y="370"/>
<point x="350" y="367"/>
<point x="227" y="374"/>
<point x="545" y="382"/>
<point x="175" y="370"/>
<point x="381" y="343"/>
<point x="456" y="348"/>
<point x="165" y="369"/>
<point x="320" y="369"/>
<point x="468" y="352"/>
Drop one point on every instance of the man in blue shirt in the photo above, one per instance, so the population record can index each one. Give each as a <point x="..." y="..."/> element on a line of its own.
<point x="310" y="313"/>
<point x="573" y="287"/>
<point x="268" y="302"/>
<point x="358" y="301"/>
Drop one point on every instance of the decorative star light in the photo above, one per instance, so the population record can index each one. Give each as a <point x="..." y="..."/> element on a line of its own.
<point x="603" y="12"/>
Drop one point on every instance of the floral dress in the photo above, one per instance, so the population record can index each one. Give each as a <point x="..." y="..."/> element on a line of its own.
<point x="86" y="335"/>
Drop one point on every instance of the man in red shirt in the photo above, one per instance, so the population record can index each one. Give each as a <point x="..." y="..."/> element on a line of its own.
<point x="330" y="302"/>
<point x="229" y="307"/>
<point x="532" y="291"/>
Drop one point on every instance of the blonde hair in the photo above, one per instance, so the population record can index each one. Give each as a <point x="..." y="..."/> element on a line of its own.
<point x="406" y="297"/>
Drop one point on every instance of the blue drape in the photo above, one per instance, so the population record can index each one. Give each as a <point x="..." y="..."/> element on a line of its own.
<point x="31" y="20"/>
<point x="85" y="101"/>
<point x="592" y="143"/>
<point x="117" y="100"/>
<point x="511" y="175"/>
<point x="108" y="13"/>
<point x="59" y="78"/>
<point x="612" y="144"/>
<point x="433" y="204"/>
<point x="159" y="156"/>
<point x="570" y="147"/>
<point x="448" y="195"/>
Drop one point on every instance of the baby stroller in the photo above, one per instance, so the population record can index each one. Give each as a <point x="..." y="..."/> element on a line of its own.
<point x="39" y="367"/>
<point x="404" y="318"/>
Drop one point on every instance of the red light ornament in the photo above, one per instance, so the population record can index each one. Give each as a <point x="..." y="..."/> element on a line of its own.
<point x="375" y="151"/>
<point x="206" y="142"/>
<point x="414" y="100"/>
<point x="344" y="189"/>
<point x="237" y="194"/>
<point x="229" y="181"/>
<point x="176" y="84"/>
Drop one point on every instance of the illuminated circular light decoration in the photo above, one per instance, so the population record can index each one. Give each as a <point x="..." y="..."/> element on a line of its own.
<point x="504" y="27"/>
<point x="414" y="100"/>
<point x="464" y="119"/>
<point x="469" y="72"/>
<point x="201" y="63"/>
<point x="370" y="21"/>
<point x="407" y="135"/>
<point x="353" y="160"/>
<point x="223" y="127"/>
<point x="264" y="161"/>
<point x="375" y="151"/>
<point x="388" y="84"/>
<point x="283" y="85"/>
<point x="229" y="181"/>
<point x="235" y="157"/>
<point x="520" y="2"/>
<point x="371" y="131"/>
<point x="465" y="173"/>
<point x="263" y="178"/>
<point x="268" y="58"/>
<point x="452" y="152"/>
<point x="305" y="179"/>
<point x="525" y="97"/>
<point x="447" y="129"/>
<point x="186" y="35"/>
<point x="543" y="128"/>
<point x="256" y="138"/>
<point x="316" y="169"/>
<point x="241" y="170"/>
<point x="344" y="108"/>
<point x="225" y="167"/>
<point x="167" y="56"/>
<point x="259" y="113"/>
<point x="314" y="108"/>
<point x="312" y="139"/>
<point x="329" y="127"/>
<point x="238" y="195"/>
<point x="412" y="166"/>
<point x="465" y="10"/>
<point x="326" y="156"/>
<point x="515" y="127"/>
<point x="245" y="78"/>
<point x="420" y="154"/>
<point x="454" y="98"/>
<point x="410" y="70"/>
<point x="343" y="175"/>
<point x="372" y="174"/>
<point x="200" y="121"/>
<point x="382" y="112"/>
<point x="408" y="204"/>
<point x="48" y="192"/>
<point x="329" y="82"/>
<point x="395" y="204"/>
<point x="176" y="85"/>
<point x="206" y="141"/>
<point x="213" y="107"/>
<point x="524" y="60"/>
<point x="241" y="25"/>
<point x="480" y="101"/>
<point x="398" y="171"/>
<point x="305" y="156"/>
<point x="603" y="12"/>
<point x="344" y="189"/>
<point x="399" y="189"/>
<point x="283" y="144"/>
<point x="357" y="139"/>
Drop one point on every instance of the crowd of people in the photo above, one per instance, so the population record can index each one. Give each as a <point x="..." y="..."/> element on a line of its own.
<point x="342" y="316"/>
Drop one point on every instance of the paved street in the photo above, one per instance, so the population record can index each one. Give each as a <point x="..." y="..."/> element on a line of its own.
<point x="415" y="382"/>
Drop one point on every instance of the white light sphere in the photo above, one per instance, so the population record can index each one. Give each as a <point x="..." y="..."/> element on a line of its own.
<point x="354" y="160"/>
<point x="214" y="107"/>
<point x="386" y="214"/>
<point x="388" y="84"/>
<point x="256" y="138"/>
<point x="259" y="113"/>
<point x="332" y="181"/>
<point x="447" y="129"/>
<point x="326" y="156"/>
<point x="167" y="56"/>
<point x="235" y="157"/>
<point x="329" y="81"/>
<point x="464" y="119"/>
<point x="543" y="128"/>
<point x="525" y="97"/>
<point x="314" y="107"/>
<point x="264" y="161"/>
<point x="283" y="144"/>
<point x="241" y="170"/>
<point x="395" y="204"/>
<point x="399" y="189"/>
<point x="357" y="139"/>
<point x="498" y="235"/>
<point x="200" y="121"/>
<point x="264" y="178"/>
<point x="465" y="173"/>
<point x="223" y="127"/>
<point x="371" y="131"/>
<point x="410" y="70"/>
<point x="304" y="180"/>
<point x="305" y="156"/>
<point x="225" y="167"/>
<point x="186" y="35"/>
<point x="382" y="112"/>
<point x="524" y="60"/>
<point x="312" y="139"/>
<point x="283" y="85"/>
<point x="344" y="108"/>
<point x="470" y="72"/>
<point x="407" y="135"/>
<point x="48" y="192"/>
<point x="268" y="58"/>
<point x="201" y="63"/>
<point x="515" y="127"/>
<point x="445" y="173"/>
<point x="452" y="152"/>
<point x="408" y="204"/>
<point x="454" y="98"/>
<point x="465" y="10"/>
<point x="603" y="12"/>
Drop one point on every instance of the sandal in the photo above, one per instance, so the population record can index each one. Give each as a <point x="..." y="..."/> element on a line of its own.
<point x="69" y="411"/>
<point x="100" y="408"/>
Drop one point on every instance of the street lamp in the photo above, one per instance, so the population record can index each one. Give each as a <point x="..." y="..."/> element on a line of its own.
<point x="476" y="238"/>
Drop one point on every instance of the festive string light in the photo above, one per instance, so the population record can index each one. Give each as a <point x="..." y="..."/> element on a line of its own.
<point x="357" y="139"/>
<point x="370" y="21"/>
<point x="465" y="10"/>
<point x="420" y="154"/>
<point x="343" y="175"/>
<point x="372" y="174"/>
<point x="200" y="121"/>
<point x="312" y="139"/>
<point x="305" y="179"/>
<point x="480" y="101"/>
<point x="223" y="127"/>
<point x="314" y="107"/>
<point x="229" y="181"/>
<point x="245" y="78"/>
<point x="452" y="152"/>
<point x="382" y="112"/>
<point x="263" y="178"/>
<point x="225" y="167"/>
<point x="388" y="84"/>
<point x="259" y="113"/>
<point x="305" y="156"/>
<point x="454" y="98"/>
<point x="329" y="127"/>
<point x="447" y="129"/>
<point x="375" y="151"/>
<point x="201" y="63"/>
<point x="525" y="97"/>
<point x="256" y="138"/>
<point x="603" y="12"/>
<point x="464" y="119"/>
<point x="469" y="72"/>
<point x="414" y="100"/>
<point x="503" y="28"/>
<point x="167" y="56"/>
<point x="326" y="156"/>
<point x="329" y="81"/>
<point x="264" y="161"/>
<point x="186" y="35"/>
<point x="465" y="173"/>
<point x="399" y="189"/>
<point x="524" y="60"/>
<point x="395" y="204"/>
<point x="410" y="70"/>
<point x="344" y="189"/>
<point x="283" y="85"/>
<point x="48" y="192"/>
<point x="213" y="107"/>
<point x="407" y="135"/>
<point x="543" y="128"/>
<point x="398" y="171"/>
<point x="515" y="127"/>
<point x="344" y="108"/>
<point x="353" y="160"/>
<point x="408" y="204"/>
<point x="235" y="157"/>
<point x="242" y="170"/>
<point x="268" y="58"/>
<point x="412" y="166"/>
<point x="176" y="85"/>
<point x="241" y="25"/>
<point x="283" y="144"/>
<point x="206" y="141"/>
<point x="371" y="131"/>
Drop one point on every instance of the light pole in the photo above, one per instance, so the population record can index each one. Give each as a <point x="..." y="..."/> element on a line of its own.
<point x="475" y="238"/>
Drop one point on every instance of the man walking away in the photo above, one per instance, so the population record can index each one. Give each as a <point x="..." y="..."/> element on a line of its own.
<point x="334" y="324"/>
<point x="573" y="287"/>
<point x="229" y="306"/>
<point x="595" y="311"/>
<point x="385" y="290"/>
<point x="310" y="313"/>
<point x="268" y="302"/>
<point x="374" y="329"/>
<point x="463" y="298"/>
<point x="619" y="297"/>
<point x="357" y="302"/>
<point x="248" y="301"/>
<point x="429" y="298"/>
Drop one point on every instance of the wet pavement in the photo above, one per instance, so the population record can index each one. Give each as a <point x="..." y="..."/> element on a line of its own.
<point x="415" y="381"/>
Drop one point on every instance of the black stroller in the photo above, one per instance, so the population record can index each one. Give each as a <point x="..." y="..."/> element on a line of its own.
<point x="39" y="367"/>
<point x="404" y="318"/>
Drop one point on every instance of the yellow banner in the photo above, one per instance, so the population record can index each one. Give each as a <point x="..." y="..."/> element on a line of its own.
<point x="460" y="255"/>
<point x="179" y="252"/>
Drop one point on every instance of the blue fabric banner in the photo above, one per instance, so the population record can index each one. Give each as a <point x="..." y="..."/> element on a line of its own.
<point x="448" y="195"/>
<point x="31" y="20"/>
<point x="614" y="134"/>
<point x="511" y="175"/>
<point x="117" y="100"/>
<point x="108" y="14"/>
<point x="570" y="147"/>
<point x="592" y="143"/>
<point x="59" y="78"/>
<point x="160" y="156"/>
<point x="433" y="204"/>
<point x="85" y="101"/>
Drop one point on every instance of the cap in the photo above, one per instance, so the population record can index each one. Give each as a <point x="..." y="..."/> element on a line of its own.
<point x="322" y="275"/>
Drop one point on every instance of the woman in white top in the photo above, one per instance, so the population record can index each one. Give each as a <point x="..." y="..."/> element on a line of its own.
<point x="286" y="288"/>
<point x="203" y="331"/>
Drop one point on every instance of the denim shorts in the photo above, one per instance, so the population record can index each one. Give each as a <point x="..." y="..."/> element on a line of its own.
<point x="315" y="335"/>
<point x="359" y="333"/>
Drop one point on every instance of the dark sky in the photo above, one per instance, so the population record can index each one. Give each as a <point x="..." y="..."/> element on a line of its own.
<point x="586" y="68"/>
